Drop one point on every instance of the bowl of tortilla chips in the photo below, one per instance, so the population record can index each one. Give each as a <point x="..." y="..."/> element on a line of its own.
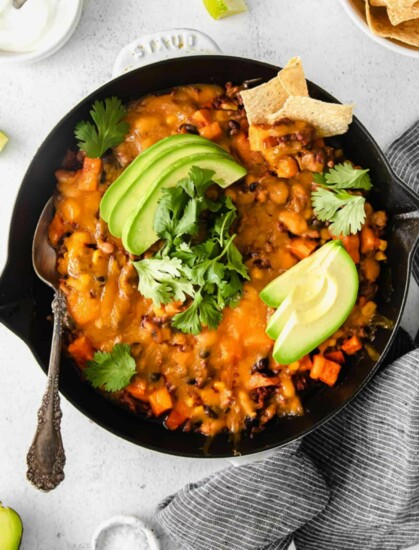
<point x="392" y="23"/>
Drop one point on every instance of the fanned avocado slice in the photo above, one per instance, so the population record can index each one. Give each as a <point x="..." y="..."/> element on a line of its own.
<point x="315" y="300"/>
<point x="138" y="233"/>
<point x="146" y="182"/>
<point x="276" y="291"/>
<point x="130" y="175"/>
<point x="11" y="529"/>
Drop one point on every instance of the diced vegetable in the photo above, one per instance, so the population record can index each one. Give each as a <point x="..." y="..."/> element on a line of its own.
<point x="352" y="345"/>
<point x="138" y="389"/>
<point x="369" y="240"/>
<point x="302" y="248"/>
<point x="160" y="401"/>
<point x="81" y="350"/>
<point x="202" y="117"/>
<point x="325" y="370"/>
<point x="212" y="131"/>
<point x="351" y="244"/>
<point x="336" y="356"/>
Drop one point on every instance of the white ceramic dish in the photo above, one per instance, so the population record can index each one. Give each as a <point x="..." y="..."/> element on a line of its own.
<point x="134" y="525"/>
<point x="62" y="27"/>
<point x="354" y="8"/>
<point x="167" y="44"/>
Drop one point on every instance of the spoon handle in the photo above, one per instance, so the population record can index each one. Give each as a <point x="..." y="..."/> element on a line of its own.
<point x="46" y="456"/>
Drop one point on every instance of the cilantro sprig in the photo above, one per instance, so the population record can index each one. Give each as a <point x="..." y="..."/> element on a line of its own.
<point x="207" y="270"/>
<point x="111" y="371"/>
<point x="109" y="129"/>
<point x="332" y="202"/>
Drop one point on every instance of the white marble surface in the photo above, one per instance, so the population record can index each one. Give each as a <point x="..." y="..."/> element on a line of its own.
<point x="105" y="475"/>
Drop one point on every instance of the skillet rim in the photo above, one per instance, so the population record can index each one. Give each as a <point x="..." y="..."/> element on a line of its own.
<point x="382" y="160"/>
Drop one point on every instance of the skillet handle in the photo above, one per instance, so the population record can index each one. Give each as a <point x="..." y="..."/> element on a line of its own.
<point x="407" y="226"/>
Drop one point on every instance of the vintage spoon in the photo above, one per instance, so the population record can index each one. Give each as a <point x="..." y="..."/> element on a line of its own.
<point x="46" y="456"/>
<point x="18" y="3"/>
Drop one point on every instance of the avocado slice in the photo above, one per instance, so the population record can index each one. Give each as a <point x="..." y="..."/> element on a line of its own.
<point x="140" y="163"/>
<point x="320" y="299"/>
<point x="138" y="233"/>
<point x="144" y="185"/>
<point x="11" y="529"/>
<point x="276" y="291"/>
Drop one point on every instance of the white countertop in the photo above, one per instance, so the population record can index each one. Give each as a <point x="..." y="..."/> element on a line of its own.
<point x="106" y="475"/>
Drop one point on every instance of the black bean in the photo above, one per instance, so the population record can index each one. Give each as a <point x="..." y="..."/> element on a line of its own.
<point x="251" y="422"/>
<point x="261" y="365"/>
<point x="210" y="412"/>
<point x="233" y="127"/>
<point x="188" y="129"/>
<point x="154" y="376"/>
<point x="204" y="353"/>
<point x="191" y="381"/>
<point x="253" y="186"/>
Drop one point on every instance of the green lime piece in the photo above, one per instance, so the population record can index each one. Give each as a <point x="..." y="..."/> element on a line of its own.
<point x="3" y="140"/>
<point x="224" y="8"/>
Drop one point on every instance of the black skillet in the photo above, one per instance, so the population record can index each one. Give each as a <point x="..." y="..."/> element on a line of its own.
<point x="25" y="302"/>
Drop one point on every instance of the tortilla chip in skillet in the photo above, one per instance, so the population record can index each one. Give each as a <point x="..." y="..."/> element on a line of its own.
<point x="269" y="97"/>
<point x="380" y="24"/>
<point x="329" y="119"/>
<point x="293" y="79"/>
<point x="399" y="15"/>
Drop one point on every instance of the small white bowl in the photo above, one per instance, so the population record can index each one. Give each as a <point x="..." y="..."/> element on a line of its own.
<point x="355" y="10"/>
<point x="131" y="523"/>
<point x="62" y="27"/>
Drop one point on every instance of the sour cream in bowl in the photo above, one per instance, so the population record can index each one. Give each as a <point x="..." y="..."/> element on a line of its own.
<point x="36" y="30"/>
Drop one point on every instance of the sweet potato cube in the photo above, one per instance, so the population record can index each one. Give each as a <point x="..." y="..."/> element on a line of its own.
<point x="257" y="380"/>
<point x="138" y="389"/>
<point x="330" y="372"/>
<point x="81" y="351"/>
<point x="336" y="356"/>
<point x="90" y="175"/>
<point x="352" y="345"/>
<point x="160" y="401"/>
<point x="212" y="131"/>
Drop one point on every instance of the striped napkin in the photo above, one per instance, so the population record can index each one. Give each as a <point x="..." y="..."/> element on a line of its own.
<point x="352" y="484"/>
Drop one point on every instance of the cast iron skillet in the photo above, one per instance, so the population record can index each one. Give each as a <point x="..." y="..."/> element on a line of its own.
<point x="25" y="301"/>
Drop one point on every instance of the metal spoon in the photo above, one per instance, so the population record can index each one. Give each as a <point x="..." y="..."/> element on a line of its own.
<point x="18" y="3"/>
<point x="46" y="456"/>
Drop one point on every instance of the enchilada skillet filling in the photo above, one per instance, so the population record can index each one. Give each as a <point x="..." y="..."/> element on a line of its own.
<point x="223" y="379"/>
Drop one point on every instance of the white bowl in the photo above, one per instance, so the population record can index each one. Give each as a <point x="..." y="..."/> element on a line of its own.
<point x="62" y="27"/>
<point x="133" y="524"/>
<point x="355" y="10"/>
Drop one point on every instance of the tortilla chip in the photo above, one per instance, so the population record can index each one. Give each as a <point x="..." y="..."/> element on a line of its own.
<point x="269" y="97"/>
<point x="379" y="23"/>
<point x="397" y="4"/>
<point x="329" y="119"/>
<point x="399" y="15"/>
<point x="263" y="100"/>
<point x="292" y="78"/>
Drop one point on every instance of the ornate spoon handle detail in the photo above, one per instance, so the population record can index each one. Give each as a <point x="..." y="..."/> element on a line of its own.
<point x="46" y="456"/>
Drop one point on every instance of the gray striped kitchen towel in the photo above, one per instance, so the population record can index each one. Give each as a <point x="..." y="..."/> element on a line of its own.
<point x="351" y="485"/>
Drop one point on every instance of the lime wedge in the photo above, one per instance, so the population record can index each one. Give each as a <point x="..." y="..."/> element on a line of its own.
<point x="3" y="140"/>
<point x="224" y="8"/>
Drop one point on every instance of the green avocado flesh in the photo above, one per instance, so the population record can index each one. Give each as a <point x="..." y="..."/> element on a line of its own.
<point x="314" y="298"/>
<point x="10" y="529"/>
<point x="138" y="233"/>
<point x="140" y="163"/>
<point x="148" y="180"/>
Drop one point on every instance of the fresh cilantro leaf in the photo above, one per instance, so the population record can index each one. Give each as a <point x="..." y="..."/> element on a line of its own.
<point x="318" y="177"/>
<point x="110" y="129"/>
<point x="203" y="312"/>
<point x="346" y="212"/>
<point x="208" y="270"/>
<point x="111" y="371"/>
<point x="349" y="219"/>
<point x="163" y="280"/>
<point x="345" y="176"/>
